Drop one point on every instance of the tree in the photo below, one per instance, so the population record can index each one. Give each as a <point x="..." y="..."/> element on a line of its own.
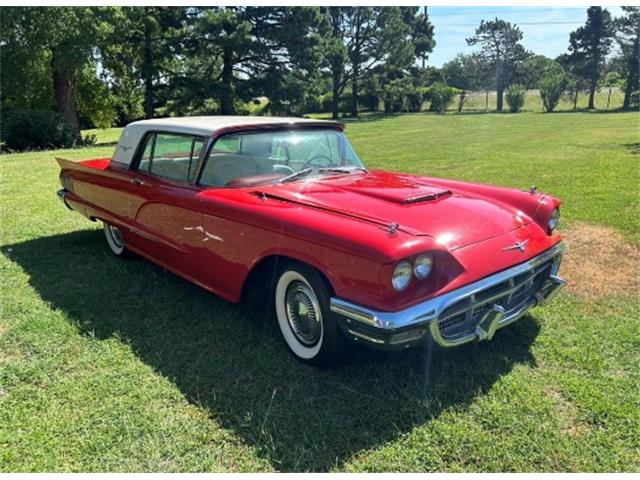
<point x="363" y="41"/>
<point x="500" y="48"/>
<point x="232" y="49"/>
<point x="422" y="36"/>
<point x="589" y="46"/>
<point x="628" y="38"/>
<point x="574" y="82"/>
<point x="464" y="73"/>
<point x="363" y="49"/>
<point x="26" y="80"/>
<point x="532" y="70"/>
<point x="552" y="85"/>
<point x="64" y="37"/>
<point x="142" y="56"/>
<point x="396" y="55"/>
<point x="351" y="49"/>
<point x="336" y="55"/>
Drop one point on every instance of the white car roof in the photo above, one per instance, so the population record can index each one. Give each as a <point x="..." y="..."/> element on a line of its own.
<point x="203" y="126"/>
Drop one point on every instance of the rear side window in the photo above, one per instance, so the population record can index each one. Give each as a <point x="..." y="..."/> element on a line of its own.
<point x="171" y="156"/>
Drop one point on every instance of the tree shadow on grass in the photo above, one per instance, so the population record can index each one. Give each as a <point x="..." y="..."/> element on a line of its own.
<point x="230" y="360"/>
<point x="633" y="148"/>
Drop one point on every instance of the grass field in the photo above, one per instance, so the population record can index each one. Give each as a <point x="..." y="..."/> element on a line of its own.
<point x="118" y="365"/>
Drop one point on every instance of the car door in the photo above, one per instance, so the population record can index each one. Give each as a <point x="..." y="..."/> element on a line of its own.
<point x="167" y="223"/>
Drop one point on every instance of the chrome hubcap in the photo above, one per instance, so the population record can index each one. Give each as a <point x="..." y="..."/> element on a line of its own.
<point x="303" y="313"/>
<point x="116" y="236"/>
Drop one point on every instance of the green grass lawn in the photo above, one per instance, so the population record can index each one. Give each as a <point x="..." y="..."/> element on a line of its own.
<point x="118" y="365"/>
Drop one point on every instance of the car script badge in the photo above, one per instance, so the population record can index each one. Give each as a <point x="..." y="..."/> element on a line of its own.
<point x="522" y="246"/>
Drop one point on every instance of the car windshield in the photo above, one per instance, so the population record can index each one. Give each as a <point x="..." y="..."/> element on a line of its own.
<point x="244" y="159"/>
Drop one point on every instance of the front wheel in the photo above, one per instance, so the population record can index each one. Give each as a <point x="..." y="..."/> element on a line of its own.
<point x="306" y="322"/>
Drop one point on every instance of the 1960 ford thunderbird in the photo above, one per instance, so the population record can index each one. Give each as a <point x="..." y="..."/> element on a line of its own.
<point x="240" y="205"/>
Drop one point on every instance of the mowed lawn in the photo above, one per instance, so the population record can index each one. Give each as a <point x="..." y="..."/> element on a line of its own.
<point x="118" y="365"/>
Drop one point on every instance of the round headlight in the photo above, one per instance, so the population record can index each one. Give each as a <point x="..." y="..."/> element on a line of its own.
<point x="554" y="220"/>
<point x="401" y="276"/>
<point x="423" y="265"/>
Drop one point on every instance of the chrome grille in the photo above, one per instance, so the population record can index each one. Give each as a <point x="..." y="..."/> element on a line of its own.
<point x="463" y="316"/>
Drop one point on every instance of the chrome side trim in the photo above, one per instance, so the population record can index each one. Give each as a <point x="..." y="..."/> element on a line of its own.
<point x="428" y="311"/>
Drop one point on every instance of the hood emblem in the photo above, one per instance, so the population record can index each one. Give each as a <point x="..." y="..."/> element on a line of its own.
<point x="522" y="246"/>
<point x="392" y="228"/>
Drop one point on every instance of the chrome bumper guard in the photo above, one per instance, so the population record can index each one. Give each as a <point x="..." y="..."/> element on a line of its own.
<point x="470" y="313"/>
<point x="61" y="194"/>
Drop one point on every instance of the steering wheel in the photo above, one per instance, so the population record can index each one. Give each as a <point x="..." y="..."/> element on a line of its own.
<point x="285" y="169"/>
<point x="317" y="161"/>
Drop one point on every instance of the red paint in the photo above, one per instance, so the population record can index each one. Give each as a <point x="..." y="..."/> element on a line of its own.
<point x="338" y="224"/>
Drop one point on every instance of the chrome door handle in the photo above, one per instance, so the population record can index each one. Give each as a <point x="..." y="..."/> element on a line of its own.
<point x="137" y="181"/>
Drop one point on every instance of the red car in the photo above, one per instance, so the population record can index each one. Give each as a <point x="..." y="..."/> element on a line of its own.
<point x="243" y="205"/>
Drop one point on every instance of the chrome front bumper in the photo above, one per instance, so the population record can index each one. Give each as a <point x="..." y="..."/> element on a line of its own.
<point x="472" y="312"/>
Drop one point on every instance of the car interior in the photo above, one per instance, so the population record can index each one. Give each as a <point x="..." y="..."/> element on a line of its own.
<point x="235" y="160"/>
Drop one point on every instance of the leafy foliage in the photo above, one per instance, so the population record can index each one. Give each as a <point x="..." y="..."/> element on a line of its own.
<point x="533" y="69"/>
<point x="628" y="38"/>
<point x="589" y="46"/>
<point x="552" y="85"/>
<point x="502" y="50"/>
<point x="441" y="95"/>
<point x="102" y="66"/>
<point x="37" y="130"/>
<point x="516" y="95"/>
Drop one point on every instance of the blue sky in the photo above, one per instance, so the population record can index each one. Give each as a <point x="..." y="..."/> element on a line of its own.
<point x="545" y="29"/>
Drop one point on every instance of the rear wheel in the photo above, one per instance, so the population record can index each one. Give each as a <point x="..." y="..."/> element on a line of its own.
<point x="307" y="324"/>
<point x="115" y="240"/>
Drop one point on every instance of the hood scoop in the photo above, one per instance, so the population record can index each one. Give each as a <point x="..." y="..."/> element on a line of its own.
<point x="427" y="197"/>
<point x="403" y="193"/>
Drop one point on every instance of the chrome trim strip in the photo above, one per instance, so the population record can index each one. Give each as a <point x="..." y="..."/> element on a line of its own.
<point x="429" y="310"/>
<point x="367" y="338"/>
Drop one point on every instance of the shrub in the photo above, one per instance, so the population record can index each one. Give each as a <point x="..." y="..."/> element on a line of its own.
<point x="441" y="95"/>
<point x="88" y="140"/>
<point x="552" y="85"/>
<point x="515" y="97"/>
<point x="37" y="130"/>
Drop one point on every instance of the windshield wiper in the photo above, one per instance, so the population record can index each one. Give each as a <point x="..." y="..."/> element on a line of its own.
<point x="342" y="169"/>
<point x="293" y="176"/>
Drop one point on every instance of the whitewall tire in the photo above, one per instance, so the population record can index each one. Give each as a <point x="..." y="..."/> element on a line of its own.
<point x="307" y="325"/>
<point x="115" y="240"/>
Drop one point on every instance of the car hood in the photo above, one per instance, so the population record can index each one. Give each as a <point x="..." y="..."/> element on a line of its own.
<point x="453" y="218"/>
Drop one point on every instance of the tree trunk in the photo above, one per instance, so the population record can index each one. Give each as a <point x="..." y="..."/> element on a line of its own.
<point x="592" y="93"/>
<point x="388" y="105"/>
<point x="486" y="100"/>
<point x="632" y="75"/>
<point x="609" y="99"/>
<point x="335" y="99"/>
<point x="499" y="97"/>
<point x="355" y="61"/>
<point x="461" y="100"/>
<point x="626" y="103"/>
<point x="575" y="100"/>
<point x="64" y="91"/>
<point x="354" y="93"/>
<point x="147" y="73"/>
<point x="226" y="93"/>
